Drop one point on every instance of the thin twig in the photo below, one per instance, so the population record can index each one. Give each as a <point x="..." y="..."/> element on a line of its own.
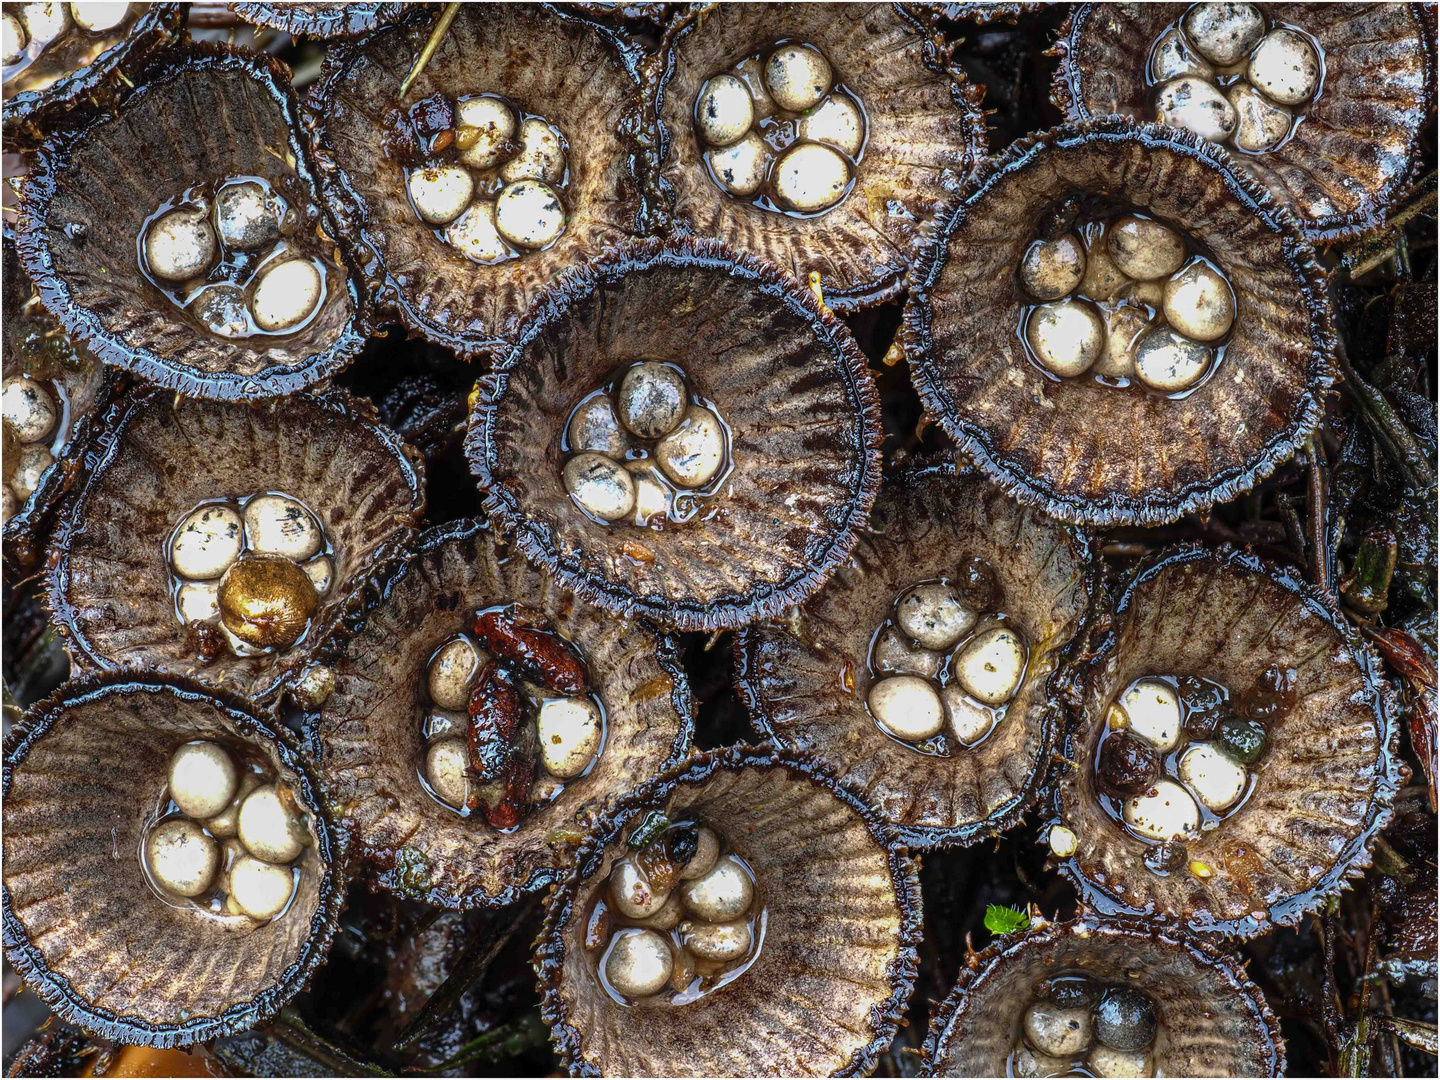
<point x="477" y="957"/>
<point x="1322" y="556"/>
<point x="1389" y="430"/>
<point x="436" y="36"/>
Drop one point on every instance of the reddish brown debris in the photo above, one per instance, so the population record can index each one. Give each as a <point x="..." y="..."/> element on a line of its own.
<point x="518" y="635"/>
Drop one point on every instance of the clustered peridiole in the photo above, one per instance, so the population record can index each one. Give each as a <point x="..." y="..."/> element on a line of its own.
<point x="947" y="661"/>
<point x="249" y="573"/>
<point x="678" y="918"/>
<point x="1126" y="300"/>
<point x="781" y="130"/>
<point x="28" y="30"/>
<point x="508" y="695"/>
<point x="37" y="413"/>
<point x="645" y="448"/>
<point x="1080" y="1026"/>
<point x="1229" y="74"/>
<point x="486" y="175"/>
<point x="226" y="253"/>
<point x="228" y="835"/>
<point x="1179" y="755"/>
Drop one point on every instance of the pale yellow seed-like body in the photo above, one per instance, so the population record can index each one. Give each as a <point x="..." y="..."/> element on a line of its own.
<point x="202" y="778"/>
<point x="722" y="894"/>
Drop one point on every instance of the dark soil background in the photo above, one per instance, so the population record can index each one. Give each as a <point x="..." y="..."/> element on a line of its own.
<point x="406" y="989"/>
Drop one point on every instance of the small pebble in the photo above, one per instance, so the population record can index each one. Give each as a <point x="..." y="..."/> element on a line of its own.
<point x="968" y="720"/>
<point x="1198" y="303"/>
<point x="222" y="310"/>
<point x="451" y="670"/>
<point x="1260" y="124"/>
<point x="268" y="828"/>
<point x="991" y="665"/>
<point x="1066" y="336"/>
<point x="720" y="942"/>
<point x="1215" y="778"/>
<point x="1057" y="1032"/>
<point x="836" y="122"/>
<point x="246" y="216"/>
<point x="45" y="21"/>
<point x="1169" y="362"/>
<point x="11" y="504"/>
<point x="632" y="892"/>
<point x="226" y="824"/>
<point x="1073" y="992"/>
<point x="198" y="601"/>
<point x="741" y="167"/>
<point x="1103" y="280"/>
<point x="669" y="916"/>
<point x="1124" y="326"/>
<point x="1125" y="1019"/>
<point x="475" y="236"/>
<point x="286" y="295"/>
<point x="570" y="731"/>
<point x="541" y="156"/>
<point x="1028" y="1063"/>
<point x="1163" y="813"/>
<point x="447" y="764"/>
<point x="599" y="486"/>
<point x="1153" y="711"/>
<point x="907" y="706"/>
<point x="33" y="461"/>
<point x="440" y="193"/>
<point x="933" y="615"/>
<point x="724" y="111"/>
<point x="1144" y="249"/>
<point x="797" y="77"/>
<point x="1063" y="842"/>
<point x="723" y="894"/>
<point x="180" y="245"/>
<point x="694" y="453"/>
<point x="653" y="399"/>
<point x="595" y="427"/>
<point x="639" y="963"/>
<point x="261" y="889"/>
<point x="811" y="177"/>
<point x="98" y="16"/>
<point x="494" y="124"/>
<point x="1194" y="104"/>
<point x="29" y="409"/>
<point x="1284" y="67"/>
<point x="321" y="572"/>
<point x="12" y="39"/>
<point x="276" y="525"/>
<point x="1105" y="1062"/>
<point x="1224" y="33"/>
<point x="1172" y="57"/>
<point x="1050" y="269"/>
<point x="894" y="655"/>
<point x="652" y="491"/>
<point x="707" y="851"/>
<point x="182" y="858"/>
<point x="202" y="778"/>
<point x="207" y="542"/>
<point x="751" y="72"/>
<point x="529" y="214"/>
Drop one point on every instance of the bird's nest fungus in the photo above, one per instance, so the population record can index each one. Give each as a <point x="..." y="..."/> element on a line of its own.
<point x="929" y="672"/>
<point x="823" y="139"/>
<point x="482" y="717"/>
<point x="1120" y="326"/>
